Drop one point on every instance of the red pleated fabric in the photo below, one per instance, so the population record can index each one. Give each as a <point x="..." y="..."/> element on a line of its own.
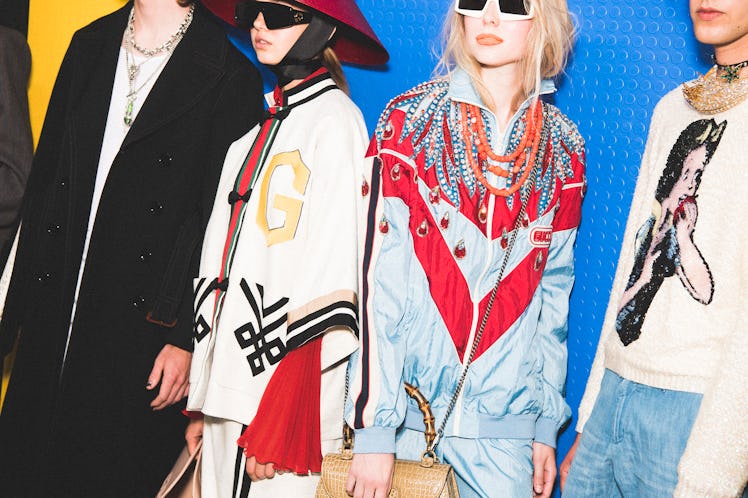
<point x="286" y="429"/>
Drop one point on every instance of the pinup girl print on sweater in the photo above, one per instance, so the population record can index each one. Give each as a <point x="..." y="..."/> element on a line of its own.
<point x="665" y="241"/>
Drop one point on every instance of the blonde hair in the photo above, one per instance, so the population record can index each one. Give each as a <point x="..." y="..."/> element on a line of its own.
<point x="331" y="62"/>
<point x="549" y="42"/>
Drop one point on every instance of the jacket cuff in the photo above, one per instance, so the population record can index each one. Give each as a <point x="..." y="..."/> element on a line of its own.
<point x="179" y="337"/>
<point x="374" y="440"/>
<point x="546" y="431"/>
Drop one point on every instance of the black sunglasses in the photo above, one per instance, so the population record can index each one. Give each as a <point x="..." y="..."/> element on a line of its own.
<point x="276" y="16"/>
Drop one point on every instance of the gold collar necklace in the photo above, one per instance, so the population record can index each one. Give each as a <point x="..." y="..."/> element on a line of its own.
<point x="718" y="90"/>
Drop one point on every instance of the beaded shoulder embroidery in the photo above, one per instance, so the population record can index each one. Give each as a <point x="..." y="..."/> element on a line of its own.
<point x="564" y="143"/>
<point x="435" y="122"/>
<point x="429" y="116"/>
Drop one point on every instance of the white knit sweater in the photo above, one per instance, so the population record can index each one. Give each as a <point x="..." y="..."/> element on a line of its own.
<point x="684" y="344"/>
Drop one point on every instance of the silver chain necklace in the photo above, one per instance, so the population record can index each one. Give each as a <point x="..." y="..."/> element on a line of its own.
<point x="168" y="44"/>
<point x="133" y="68"/>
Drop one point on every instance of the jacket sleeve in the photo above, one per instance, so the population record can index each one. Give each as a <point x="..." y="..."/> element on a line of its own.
<point x="555" y="288"/>
<point x="323" y="295"/>
<point x="237" y="108"/>
<point x="377" y="403"/>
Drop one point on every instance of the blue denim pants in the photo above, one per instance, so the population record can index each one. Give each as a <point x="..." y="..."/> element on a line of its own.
<point x="632" y="442"/>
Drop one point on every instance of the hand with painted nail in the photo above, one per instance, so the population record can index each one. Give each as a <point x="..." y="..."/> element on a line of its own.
<point x="171" y="370"/>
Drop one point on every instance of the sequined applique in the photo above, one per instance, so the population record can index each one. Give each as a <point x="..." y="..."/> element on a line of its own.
<point x="384" y="225"/>
<point x="364" y="188"/>
<point x="423" y="229"/>
<point x="444" y="222"/>
<point x="459" y="250"/>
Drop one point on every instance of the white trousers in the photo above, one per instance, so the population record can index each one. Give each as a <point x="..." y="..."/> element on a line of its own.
<point x="223" y="467"/>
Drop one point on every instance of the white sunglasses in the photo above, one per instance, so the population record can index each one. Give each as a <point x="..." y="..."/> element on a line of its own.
<point x="509" y="10"/>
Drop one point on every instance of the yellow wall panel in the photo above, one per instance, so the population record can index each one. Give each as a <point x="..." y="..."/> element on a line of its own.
<point x="51" y="26"/>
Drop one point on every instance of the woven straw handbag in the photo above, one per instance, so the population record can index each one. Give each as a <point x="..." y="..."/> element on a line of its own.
<point x="425" y="479"/>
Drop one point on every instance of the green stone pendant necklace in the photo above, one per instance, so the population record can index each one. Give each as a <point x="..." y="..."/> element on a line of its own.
<point x="133" y="68"/>
<point x="729" y="72"/>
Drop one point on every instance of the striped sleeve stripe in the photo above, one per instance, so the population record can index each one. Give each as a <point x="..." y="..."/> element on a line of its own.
<point x="303" y="330"/>
<point x="241" y="479"/>
<point x="371" y="226"/>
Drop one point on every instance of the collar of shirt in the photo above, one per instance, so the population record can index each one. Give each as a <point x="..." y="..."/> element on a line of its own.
<point x="317" y="83"/>
<point x="461" y="89"/>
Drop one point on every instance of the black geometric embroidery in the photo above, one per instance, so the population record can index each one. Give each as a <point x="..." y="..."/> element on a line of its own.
<point x="262" y="339"/>
<point x="201" y="328"/>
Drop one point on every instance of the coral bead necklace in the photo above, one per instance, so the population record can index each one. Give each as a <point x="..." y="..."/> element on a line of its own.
<point x="474" y="132"/>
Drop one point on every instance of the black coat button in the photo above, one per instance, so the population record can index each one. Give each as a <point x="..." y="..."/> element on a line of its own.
<point x="164" y="160"/>
<point x="43" y="277"/>
<point x="145" y="256"/>
<point x="53" y="229"/>
<point x="138" y="302"/>
<point x="64" y="183"/>
<point x="155" y="208"/>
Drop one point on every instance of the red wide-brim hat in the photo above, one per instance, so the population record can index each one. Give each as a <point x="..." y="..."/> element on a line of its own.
<point x="355" y="42"/>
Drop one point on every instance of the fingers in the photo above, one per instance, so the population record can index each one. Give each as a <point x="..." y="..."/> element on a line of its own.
<point x="171" y="368"/>
<point x="370" y="475"/>
<point x="250" y="467"/>
<point x="192" y="445"/>
<point x="259" y="471"/>
<point x="544" y="469"/>
<point x="193" y="434"/>
<point x="269" y="470"/>
<point x="185" y="391"/>
<point x="563" y="473"/>
<point x="568" y="459"/>
<point x="362" y="491"/>
<point x="350" y="484"/>
<point x="537" y="475"/>
<point x="169" y="392"/>
<point x="155" y="376"/>
<point x="549" y="477"/>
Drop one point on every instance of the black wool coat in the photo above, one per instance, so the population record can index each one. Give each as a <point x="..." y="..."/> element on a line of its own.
<point x="83" y="426"/>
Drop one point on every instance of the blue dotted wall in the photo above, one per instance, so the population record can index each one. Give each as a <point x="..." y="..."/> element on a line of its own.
<point x="626" y="57"/>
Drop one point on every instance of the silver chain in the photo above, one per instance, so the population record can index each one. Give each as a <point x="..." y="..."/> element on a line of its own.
<point x="133" y="68"/>
<point x="525" y="197"/>
<point x="168" y="44"/>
